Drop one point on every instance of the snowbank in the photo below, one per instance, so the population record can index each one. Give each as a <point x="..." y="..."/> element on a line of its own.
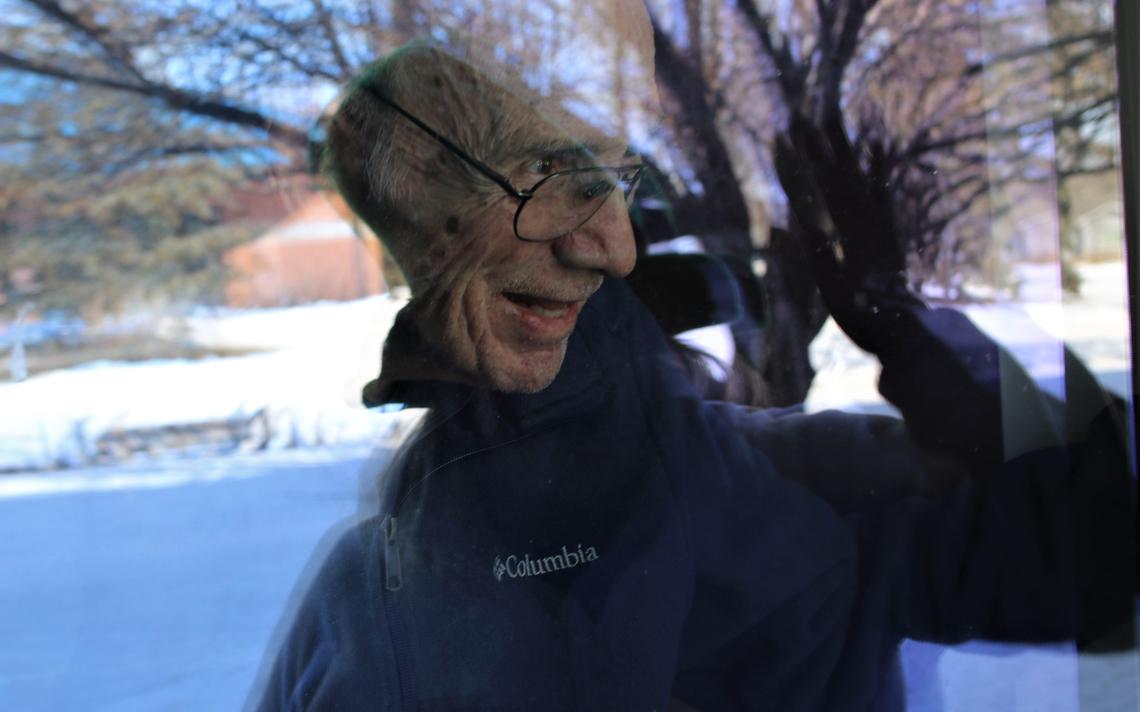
<point x="305" y="391"/>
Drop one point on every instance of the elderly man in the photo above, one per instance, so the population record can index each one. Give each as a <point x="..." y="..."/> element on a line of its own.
<point x="571" y="528"/>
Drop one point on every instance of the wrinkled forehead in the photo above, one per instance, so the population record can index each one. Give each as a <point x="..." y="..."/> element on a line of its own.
<point x="554" y="132"/>
<point x="494" y="112"/>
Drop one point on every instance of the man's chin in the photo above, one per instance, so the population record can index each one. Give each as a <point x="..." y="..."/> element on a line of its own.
<point x="527" y="372"/>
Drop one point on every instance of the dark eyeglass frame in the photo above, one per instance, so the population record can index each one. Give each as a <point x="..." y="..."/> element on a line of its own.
<point x="522" y="194"/>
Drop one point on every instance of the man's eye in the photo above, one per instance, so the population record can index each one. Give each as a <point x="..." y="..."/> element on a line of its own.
<point x="541" y="165"/>
<point x="597" y="188"/>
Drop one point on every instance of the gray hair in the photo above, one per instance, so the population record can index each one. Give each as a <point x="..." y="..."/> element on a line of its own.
<point x="394" y="176"/>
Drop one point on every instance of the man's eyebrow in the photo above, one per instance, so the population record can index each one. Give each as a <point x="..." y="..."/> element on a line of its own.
<point x="561" y="148"/>
<point x="556" y="148"/>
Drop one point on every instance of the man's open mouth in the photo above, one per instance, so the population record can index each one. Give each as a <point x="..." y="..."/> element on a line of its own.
<point x="549" y="308"/>
<point x="542" y="319"/>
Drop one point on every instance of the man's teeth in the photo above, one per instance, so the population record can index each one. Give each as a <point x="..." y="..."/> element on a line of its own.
<point x="547" y="308"/>
<point x="550" y="313"/>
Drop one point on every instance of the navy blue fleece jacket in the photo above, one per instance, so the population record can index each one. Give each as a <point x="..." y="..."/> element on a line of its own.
<point x="613" y="543"/>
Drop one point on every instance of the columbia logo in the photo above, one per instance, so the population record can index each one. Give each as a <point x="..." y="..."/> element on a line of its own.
<point x="521" y="567"/>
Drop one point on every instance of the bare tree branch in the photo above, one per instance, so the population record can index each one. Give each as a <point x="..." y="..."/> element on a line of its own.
<point x="684" y="89"/>
<point x="326" y="22"/>
<point x="172" y="97"/>
<point x="791" y="71"/>
<point x="115" y="51"/>
<point x="1102" y="38"/>
<point x="278" y="51"/>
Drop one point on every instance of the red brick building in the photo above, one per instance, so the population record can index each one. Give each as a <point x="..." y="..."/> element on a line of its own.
<point x="312" y="254"/>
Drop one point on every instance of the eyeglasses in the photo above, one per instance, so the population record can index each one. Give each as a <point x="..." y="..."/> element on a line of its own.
<point x="558" y="204"/>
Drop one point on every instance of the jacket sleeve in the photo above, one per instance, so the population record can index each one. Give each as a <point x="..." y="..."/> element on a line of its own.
<point x="994" y="511"/>
<point x="336" y="654"/>
<point x="1039" y="543"/>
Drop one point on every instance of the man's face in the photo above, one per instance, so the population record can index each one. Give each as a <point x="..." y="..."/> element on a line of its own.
<point x="495" y="310"/>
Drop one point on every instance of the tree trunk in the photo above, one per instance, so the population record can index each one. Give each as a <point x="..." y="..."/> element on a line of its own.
<point x="795" y="315"/>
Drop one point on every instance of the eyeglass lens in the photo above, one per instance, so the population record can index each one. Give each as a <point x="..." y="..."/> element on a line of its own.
<point x="565" y="201"/>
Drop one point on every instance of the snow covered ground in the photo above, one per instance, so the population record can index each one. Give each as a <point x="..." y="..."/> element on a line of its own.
<point x="157" y="584"/>
<point x="304" y="388"/>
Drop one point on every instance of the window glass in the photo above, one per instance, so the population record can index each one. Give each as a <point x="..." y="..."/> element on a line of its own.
<point x="488" y="354"/>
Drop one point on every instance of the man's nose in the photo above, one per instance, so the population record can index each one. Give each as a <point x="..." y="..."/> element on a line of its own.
<point x="604" y="242"/>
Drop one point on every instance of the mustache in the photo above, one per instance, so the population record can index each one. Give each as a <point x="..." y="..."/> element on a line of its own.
<point x="570" y="291"/>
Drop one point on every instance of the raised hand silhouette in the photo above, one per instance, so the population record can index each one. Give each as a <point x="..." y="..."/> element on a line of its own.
<point x="939" y="370"/>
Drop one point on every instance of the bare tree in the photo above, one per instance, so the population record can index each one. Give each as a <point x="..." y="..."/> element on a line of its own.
<point x="136" y="119"/>
<point x="947" y="102"/>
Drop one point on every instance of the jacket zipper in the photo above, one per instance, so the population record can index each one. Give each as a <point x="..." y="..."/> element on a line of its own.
<point x="393" y="582"/>
<point x="392" y="578"/>
<point x="400" y="644"/>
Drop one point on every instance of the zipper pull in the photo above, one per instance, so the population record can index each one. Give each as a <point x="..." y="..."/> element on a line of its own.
<point x="391" y="558"/>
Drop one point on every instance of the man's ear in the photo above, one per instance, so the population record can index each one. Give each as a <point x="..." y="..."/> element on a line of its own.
<point x="686" y="291"/>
